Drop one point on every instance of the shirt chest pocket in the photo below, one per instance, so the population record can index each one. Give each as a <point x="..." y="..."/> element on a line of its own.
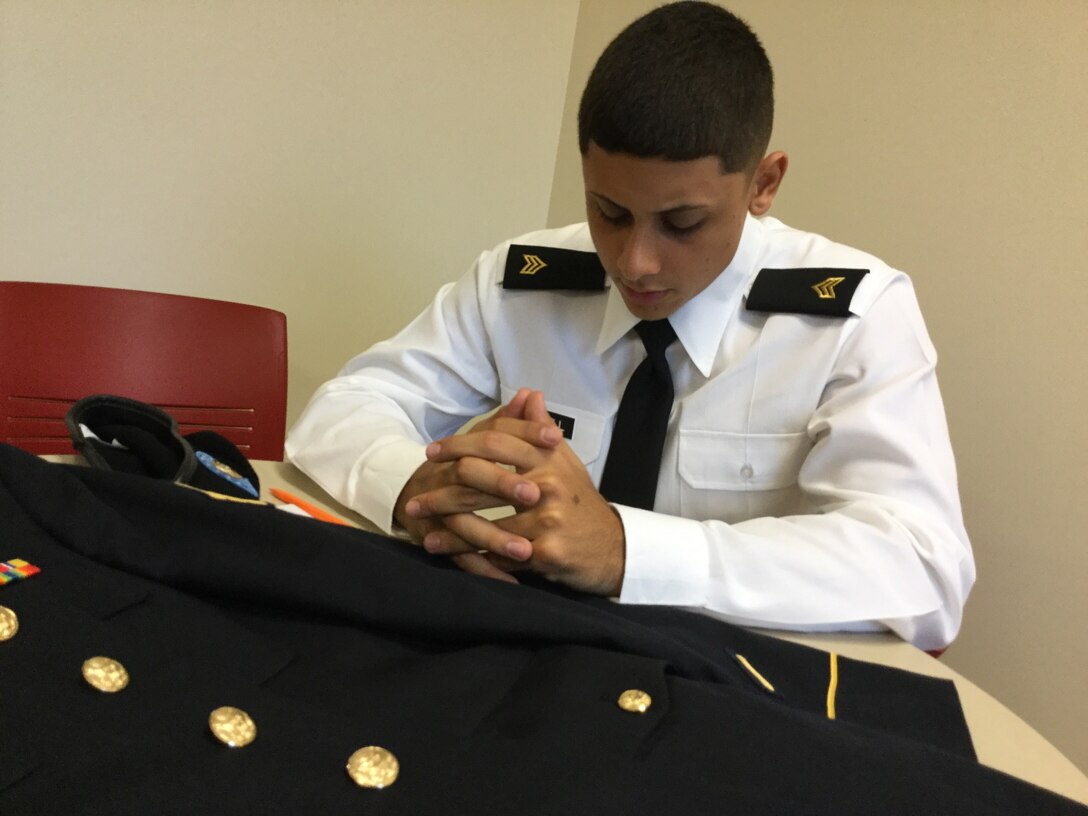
<point x="732" y="476"/>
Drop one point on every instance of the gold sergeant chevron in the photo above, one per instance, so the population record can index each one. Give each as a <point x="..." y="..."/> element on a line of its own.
<point x="826" y="288"/>
<point x="533" y="264"/>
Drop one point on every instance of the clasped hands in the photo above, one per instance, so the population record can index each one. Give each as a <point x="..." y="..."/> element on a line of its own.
<point x="562" y="527"/>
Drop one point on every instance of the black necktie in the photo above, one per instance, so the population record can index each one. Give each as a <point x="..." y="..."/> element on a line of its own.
<point x="634" y="457"/>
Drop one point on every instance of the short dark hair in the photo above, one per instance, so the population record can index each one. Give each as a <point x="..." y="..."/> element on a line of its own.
<point x="685" y="81"/>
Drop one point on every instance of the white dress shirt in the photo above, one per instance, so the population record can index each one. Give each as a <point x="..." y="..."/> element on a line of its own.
<point x="807" y="480"/>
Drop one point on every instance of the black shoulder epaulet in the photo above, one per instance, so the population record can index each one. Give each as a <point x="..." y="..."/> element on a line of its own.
<point x="537" y="267"/>
<point x="818" y="291"/>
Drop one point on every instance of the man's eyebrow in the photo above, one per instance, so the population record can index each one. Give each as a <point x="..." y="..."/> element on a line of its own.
<point x="679" y="208"/>
<point x="606" y="200"/>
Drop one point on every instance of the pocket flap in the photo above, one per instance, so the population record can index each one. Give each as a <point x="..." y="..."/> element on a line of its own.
<point x="718" y="460"/>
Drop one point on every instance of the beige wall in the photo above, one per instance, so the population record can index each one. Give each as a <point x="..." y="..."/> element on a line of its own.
<point x="338" y="160"/>
<point x="948" y="138"/>
<point x="334" y="160"/>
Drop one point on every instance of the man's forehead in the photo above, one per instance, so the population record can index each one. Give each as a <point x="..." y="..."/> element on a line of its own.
<point x="661" y="185"/>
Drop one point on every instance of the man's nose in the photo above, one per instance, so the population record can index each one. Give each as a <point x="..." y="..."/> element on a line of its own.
<point x="639" y="257"/>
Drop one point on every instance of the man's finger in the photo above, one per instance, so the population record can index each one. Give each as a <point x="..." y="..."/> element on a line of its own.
<point x="507" y="565"/>
<point x="541" y="433"/>
<point x="479" y="534"/>
<point x="537" y="432"/>
<point x="535" y="408"/>
<point x="516" y="407"/>
<point x="475" y="484"/>
<point x="477" y="564"/>
<point x="443" y="541"/>
<point x="460" y="499"/>
<point x="490" y="445"/>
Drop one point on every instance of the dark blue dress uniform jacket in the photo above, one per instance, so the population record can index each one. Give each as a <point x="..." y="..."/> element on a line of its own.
<point x="494" y="698"/>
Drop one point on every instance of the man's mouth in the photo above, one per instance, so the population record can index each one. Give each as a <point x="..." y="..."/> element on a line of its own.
<point x="642" y="298"/>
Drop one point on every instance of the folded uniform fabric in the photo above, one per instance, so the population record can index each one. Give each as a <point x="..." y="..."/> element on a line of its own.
<point x="493" y="698"/>
<point x="122" y="434"/>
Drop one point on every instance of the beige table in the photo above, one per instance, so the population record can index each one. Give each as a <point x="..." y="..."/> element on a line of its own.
<point x="1002" y="740"/>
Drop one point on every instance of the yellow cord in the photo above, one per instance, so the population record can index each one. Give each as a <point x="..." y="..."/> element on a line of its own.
<point x="832" y="686"/>
<point x="755" y="674"/>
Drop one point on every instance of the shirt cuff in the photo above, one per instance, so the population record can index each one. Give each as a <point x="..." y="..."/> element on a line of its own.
<point x="379" y="481"/>
<point x="667" y="559"/>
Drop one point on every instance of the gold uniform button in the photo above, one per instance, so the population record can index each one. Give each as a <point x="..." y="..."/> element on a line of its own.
<point x="232" y="726"/>
<point x="373" y="767"/>
<point x="635" y="700"/>
<point x="105" y="674"/>
<point x="9" y="623"/>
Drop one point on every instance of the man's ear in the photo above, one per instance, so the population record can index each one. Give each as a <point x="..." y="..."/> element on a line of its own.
<point x="766" y="180"/>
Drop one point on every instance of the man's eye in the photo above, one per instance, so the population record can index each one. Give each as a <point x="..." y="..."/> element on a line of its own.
<point x="681" y="229"/>
<point x="613" y="216"/>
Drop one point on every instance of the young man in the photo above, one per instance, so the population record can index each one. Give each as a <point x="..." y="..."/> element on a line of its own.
<point x="804" y="477"/>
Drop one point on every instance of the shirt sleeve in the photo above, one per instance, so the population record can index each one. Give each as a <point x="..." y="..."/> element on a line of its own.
<point x="883" y="545"/>
<point x="364" y="433"/>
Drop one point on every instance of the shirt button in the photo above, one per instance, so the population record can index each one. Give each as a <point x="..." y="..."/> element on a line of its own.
<point x="747" y="471"/>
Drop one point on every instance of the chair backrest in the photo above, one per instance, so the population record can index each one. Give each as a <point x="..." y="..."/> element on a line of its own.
<point x="211" y="364"/>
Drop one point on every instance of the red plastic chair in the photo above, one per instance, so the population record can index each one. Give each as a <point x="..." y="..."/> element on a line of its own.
<point x="211" y="364"/>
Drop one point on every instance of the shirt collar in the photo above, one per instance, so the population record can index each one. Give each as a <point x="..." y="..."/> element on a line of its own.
<point x="699" y="323"/>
